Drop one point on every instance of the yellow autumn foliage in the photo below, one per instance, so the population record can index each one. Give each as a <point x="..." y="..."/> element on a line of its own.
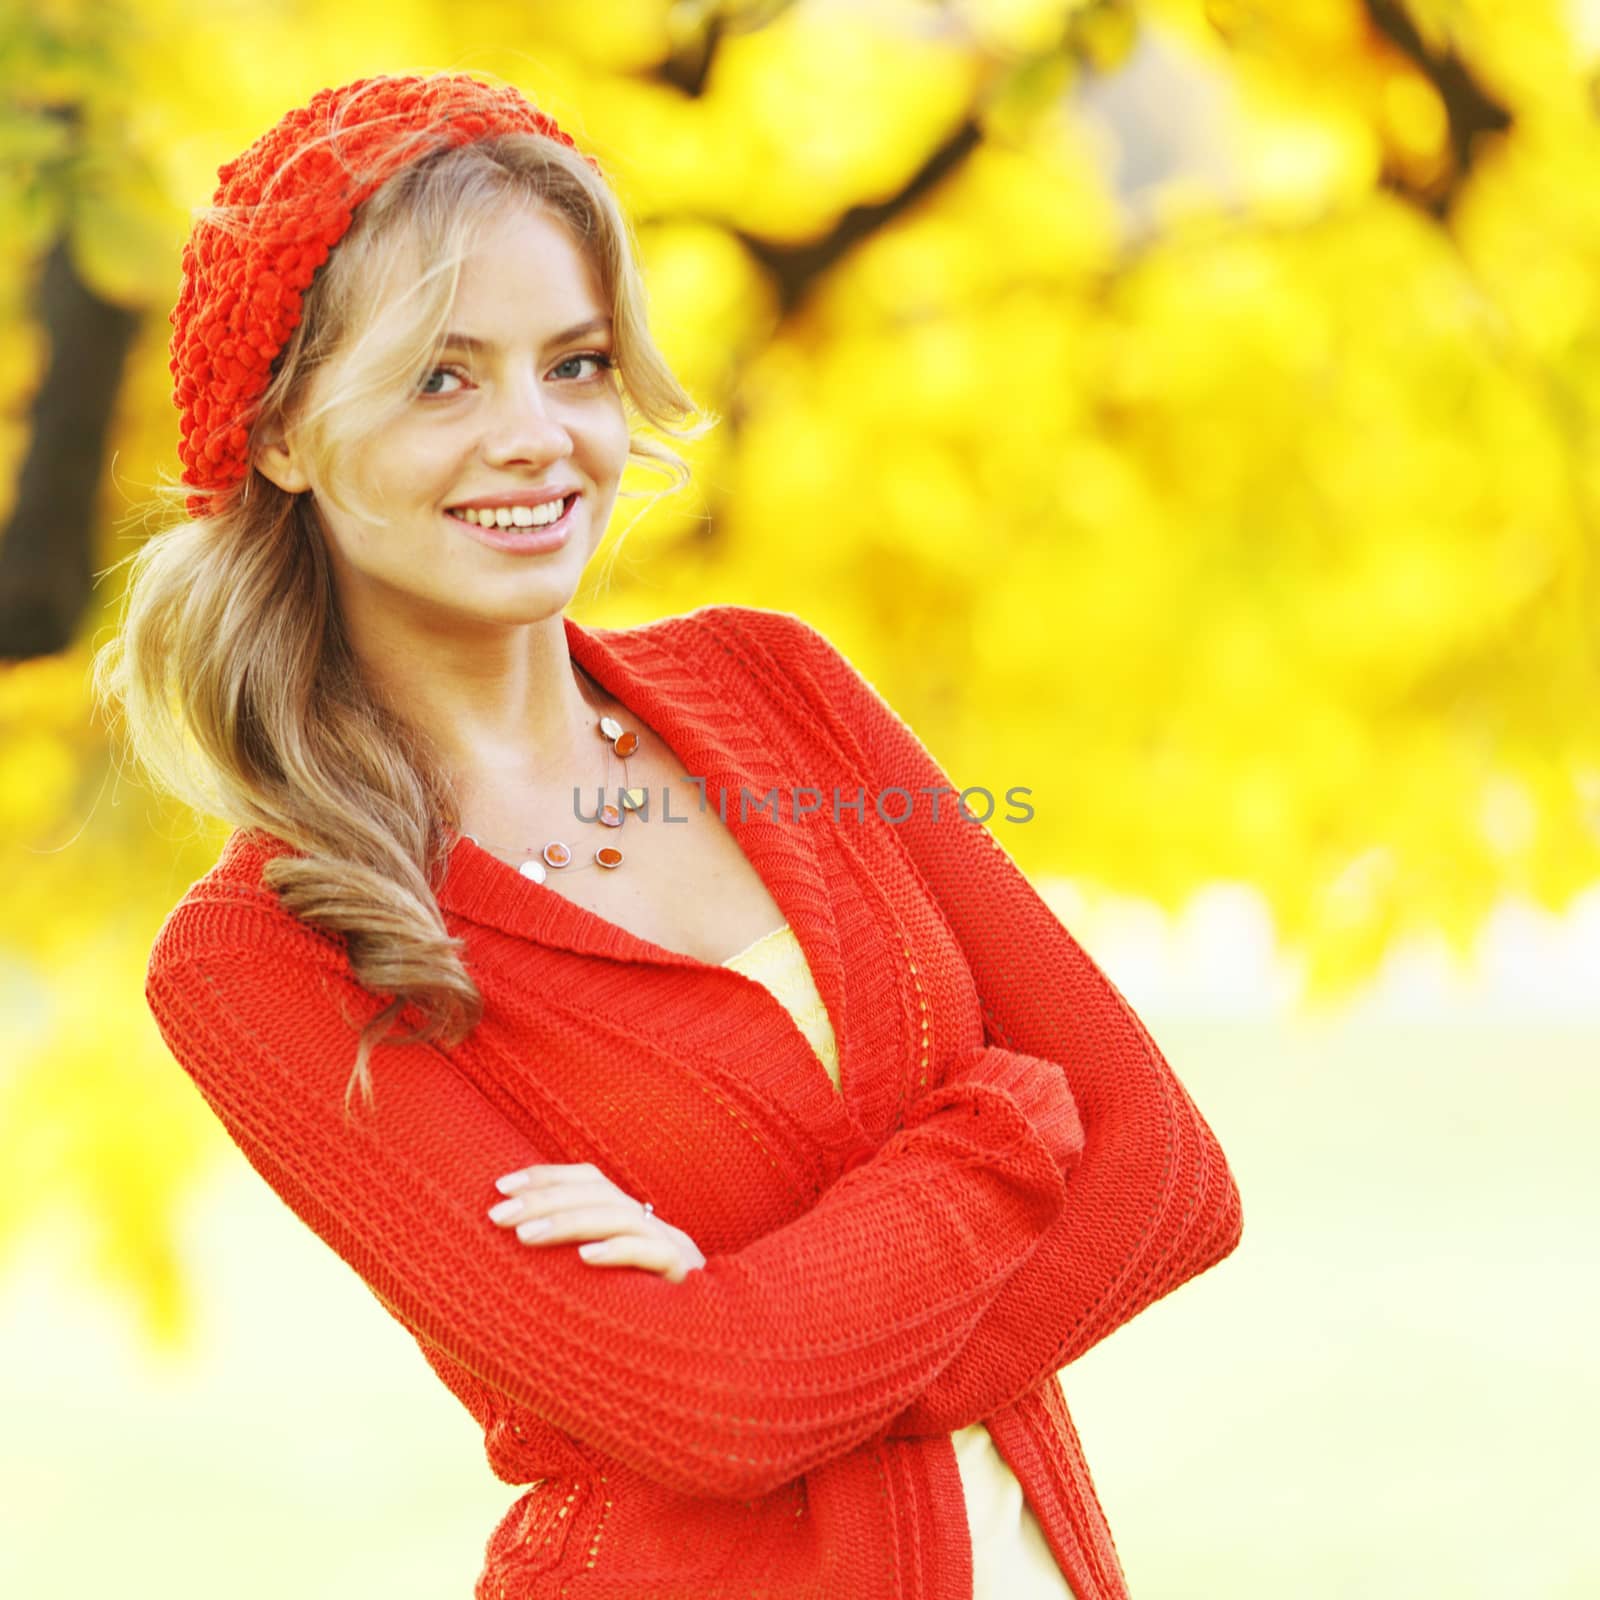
<point x="1181" y="455"/>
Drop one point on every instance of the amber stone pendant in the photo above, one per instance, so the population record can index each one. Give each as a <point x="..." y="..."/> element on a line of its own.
<point x="632" y="799"/>
<point x="557" y="854"/>
<point x="608" y="856"/>
<point x="610" y="816"/>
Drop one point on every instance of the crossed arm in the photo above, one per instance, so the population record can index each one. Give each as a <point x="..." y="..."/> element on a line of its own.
<point x="752" y="1370"/>
<point x="1150" y="1200"/>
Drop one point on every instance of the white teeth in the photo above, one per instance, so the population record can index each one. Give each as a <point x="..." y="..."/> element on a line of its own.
<point x="514" y="516"/>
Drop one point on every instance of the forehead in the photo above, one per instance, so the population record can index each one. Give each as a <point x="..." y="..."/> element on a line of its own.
<point x="522" y="221"/>
<point x="525" y="263"/>
<point x="528" y="245"/>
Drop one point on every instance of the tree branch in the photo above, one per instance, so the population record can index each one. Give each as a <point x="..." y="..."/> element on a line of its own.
<point x="796" y="268"/>
<point x="1472" y="112"/>
<point x="689" y="65"/>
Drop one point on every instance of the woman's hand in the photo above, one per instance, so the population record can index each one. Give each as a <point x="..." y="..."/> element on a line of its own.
<point x="555" y="1205"/>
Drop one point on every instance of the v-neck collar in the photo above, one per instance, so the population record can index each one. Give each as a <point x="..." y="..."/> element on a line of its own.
<point x="696" y="701"/>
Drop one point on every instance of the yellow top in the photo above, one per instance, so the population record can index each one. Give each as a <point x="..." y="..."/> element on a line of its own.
<point x="1010" y="1559"/>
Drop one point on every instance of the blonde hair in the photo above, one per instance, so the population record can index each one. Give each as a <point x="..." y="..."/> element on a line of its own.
<point x="232" y="670"/>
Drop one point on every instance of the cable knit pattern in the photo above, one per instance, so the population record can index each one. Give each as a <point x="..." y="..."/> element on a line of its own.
<point x="1010" y="1559"/>
<point x="1007" y="1170"/>
<point x="293" y="195"/>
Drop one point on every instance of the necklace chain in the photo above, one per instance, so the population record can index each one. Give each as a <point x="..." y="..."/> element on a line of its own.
<point x="557" y="853"/>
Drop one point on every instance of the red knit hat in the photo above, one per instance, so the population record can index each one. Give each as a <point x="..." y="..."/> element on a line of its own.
<point x="299" y="185"/>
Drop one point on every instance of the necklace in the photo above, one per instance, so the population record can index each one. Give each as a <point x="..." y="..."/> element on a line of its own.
<point x="621" y="742"/>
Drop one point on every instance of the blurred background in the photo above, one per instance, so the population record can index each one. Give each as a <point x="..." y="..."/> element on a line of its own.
<point x="1185" y="410"/>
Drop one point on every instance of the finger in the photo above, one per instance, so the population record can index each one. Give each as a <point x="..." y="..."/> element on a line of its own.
<point x="538" y="1177"/>
<point x="581" y="1222"/>
<point x="651" y="1253"/>
<point x="556" y="1197"/>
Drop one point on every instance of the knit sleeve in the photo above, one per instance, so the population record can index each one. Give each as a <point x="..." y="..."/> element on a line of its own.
<point x="1151" y="1201"/>
<point x="741" y="1377"/>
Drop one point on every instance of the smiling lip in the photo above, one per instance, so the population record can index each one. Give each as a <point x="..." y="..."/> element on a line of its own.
<point x="513" y="497"/>
<point x="521" y="541"/>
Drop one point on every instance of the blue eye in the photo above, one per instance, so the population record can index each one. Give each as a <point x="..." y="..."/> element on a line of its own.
<point x="452" y="372"/>
<point x="601" y="360"/>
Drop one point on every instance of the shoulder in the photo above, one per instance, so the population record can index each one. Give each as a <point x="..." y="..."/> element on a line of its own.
<point x="738" y="647"/>
<point x="710" y="622"/>
<point x="232" y="912"/>
<point x="789" y="639"/>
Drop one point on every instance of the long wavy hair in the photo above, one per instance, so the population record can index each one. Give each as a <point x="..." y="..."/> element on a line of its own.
<point x="232" y="670"/>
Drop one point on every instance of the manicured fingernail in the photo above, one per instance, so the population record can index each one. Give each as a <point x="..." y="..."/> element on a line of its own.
<point x="534" y="1228"/>
<point x="506" y="1208"/>
<point x="511" y="1183"/>
<point x="595" y="1251"/>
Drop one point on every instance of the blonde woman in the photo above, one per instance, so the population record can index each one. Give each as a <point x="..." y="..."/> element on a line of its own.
<point x="640" y="1012"/>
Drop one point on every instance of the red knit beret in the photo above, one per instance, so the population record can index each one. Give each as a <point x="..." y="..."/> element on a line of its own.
<point x="299" y="185"/>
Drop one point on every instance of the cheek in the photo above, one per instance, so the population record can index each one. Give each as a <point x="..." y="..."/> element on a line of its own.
<point x="617" y="438"/>
<point x="389" y="475"/>
<point x="388" y="483"/>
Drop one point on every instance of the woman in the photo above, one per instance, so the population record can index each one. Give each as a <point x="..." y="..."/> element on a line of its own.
<point x="839" y="1144"/>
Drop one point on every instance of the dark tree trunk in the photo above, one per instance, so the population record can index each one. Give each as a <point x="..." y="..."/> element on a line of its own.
<point x="46" y="551"/>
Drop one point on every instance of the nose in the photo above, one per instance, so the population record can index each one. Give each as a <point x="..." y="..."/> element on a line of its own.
<point x="524" y="426"/>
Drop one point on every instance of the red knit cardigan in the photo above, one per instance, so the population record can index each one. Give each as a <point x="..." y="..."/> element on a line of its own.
<point x="1008" y="1171"/>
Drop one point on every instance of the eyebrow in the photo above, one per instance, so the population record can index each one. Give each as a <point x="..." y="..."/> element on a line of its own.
<point x="465" y="341"/>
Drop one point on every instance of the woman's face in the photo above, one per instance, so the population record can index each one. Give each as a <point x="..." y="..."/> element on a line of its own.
<point x="523" y="402"/>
